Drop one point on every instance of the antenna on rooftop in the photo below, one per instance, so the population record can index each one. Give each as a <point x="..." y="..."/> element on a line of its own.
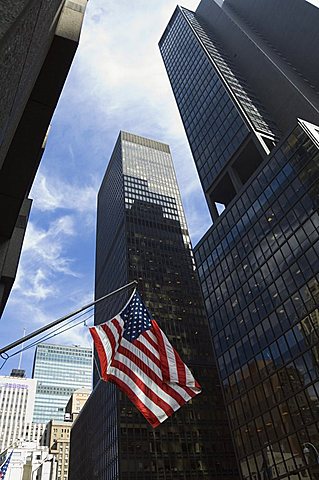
<point x="20" y="356"/>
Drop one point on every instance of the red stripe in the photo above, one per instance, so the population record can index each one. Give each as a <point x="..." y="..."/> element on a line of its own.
<point x="150" y="416"/>
<point x="100" y="351"/>
<point x="161" y="349"/>
<point x="118" y="328"/>
<point x="151" y="374"/>
<point x="144" y="388"/>
<point x="110" y="336"/>
<point x="180" y="367"/>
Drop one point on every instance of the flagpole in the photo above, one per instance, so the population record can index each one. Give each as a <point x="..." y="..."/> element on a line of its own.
<point x="62" y="319"/>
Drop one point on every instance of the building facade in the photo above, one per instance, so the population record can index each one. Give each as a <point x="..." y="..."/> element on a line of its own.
<point x="241" y="91"/>
<point x="76" y="403"/>
<point x="38" y="41"/>
<point x="17" y="396"/>
<point x="29" y="461"/>
<point x="142" y="235"/>
<point x="59" y="371"/>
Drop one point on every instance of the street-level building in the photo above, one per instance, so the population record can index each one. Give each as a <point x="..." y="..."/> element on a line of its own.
<point x="17" y="397"/>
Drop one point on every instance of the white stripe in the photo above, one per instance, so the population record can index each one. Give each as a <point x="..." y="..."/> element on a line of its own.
<point x="149" y="382"/>
<point x="155" y="409"/>
<point x="105" y="342"/>
<point x="170" y="358"/>
<point x="148" y="345"/>
<point x="144" y="358"/>
<point x="105" y="339"/>
<point x="190" y="380"/>
<point x="172" y="365"/>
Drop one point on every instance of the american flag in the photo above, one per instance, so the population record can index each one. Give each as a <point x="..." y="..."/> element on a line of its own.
<point x="136" y="355"/>
<point x="4" y="467"/>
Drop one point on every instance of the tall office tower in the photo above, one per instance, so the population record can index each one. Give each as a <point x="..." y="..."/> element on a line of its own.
<point x="142" y="235"/>
<point x="242" y="86"/>
<point x="38" y="41"/>
<point x="16" y="408"/>
<point x="59" y="370"/>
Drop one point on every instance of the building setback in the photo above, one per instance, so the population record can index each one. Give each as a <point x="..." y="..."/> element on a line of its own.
<point x="38" y="41"/>
<point x="59" y="370"/>
<point x="142" y="235"/>
<point x="243" y="74"/>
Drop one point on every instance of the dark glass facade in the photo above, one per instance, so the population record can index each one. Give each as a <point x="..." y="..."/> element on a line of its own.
<point x="142" y="235"/>
<point x="258" y="264"/>
<point x="228" y="129"/>
<point x="262" y="258"/>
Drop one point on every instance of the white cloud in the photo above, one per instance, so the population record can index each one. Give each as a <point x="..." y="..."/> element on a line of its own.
<point x="43" y="258"/>
<point x="51" y="193"/>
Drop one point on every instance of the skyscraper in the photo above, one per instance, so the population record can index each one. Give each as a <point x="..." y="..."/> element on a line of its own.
<point x="142" y="235"/>
<point x="38" y="41"/>
<point x="241" y="87"/>
<point x="59" y="370"/>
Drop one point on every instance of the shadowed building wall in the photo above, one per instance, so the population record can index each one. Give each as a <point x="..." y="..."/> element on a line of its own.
<point x="38" y="40"/>
<point x="243" y="74"/>
<point x="142" y="235"/>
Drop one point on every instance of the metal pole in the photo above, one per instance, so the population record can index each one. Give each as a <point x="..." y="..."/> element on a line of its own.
<point x="60" y="320"/>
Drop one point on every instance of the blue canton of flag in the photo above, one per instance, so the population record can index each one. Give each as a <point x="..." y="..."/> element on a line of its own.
<point x="4" y="467"/>
<point x="137" y="318"/>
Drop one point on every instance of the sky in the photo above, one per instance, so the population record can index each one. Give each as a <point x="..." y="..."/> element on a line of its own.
<point x="117" y="82"/>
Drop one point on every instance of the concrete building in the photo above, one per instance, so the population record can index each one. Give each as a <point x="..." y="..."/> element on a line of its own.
<point x="17" y="396"/>
<point x="38" y="41"/>
<point x="57" y="434"/>
<point x="142" y="234"/>
<point x="29" y="461"/>
<point x="57" y="438"/>
<point x="59" y="370"/>
<point x="76" y="403"/>
<point x="245" y="78"/>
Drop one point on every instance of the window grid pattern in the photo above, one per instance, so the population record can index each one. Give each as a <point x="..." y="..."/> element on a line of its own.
<point x="214" y="126"/>
<point x="262" y="258"/>
<point x="195" y="442"/>
<point x="246" y="99"/>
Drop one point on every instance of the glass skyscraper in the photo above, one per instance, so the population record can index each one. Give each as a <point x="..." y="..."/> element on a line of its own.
<point x="59" y="370"/>
<point x="241" y="88"/>
<point x="142" y="235"/>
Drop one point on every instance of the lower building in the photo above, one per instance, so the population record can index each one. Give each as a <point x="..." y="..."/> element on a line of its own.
<point x="57" y="434"/>
<point x="59" y="370"/>
<point x="259" y="270"/>
<point x="30" y="461"/>
<point x="17" y="395"/>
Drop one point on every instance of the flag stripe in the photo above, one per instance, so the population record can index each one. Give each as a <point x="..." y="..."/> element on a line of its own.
<point x="147" y="388"/>
<point x="162" y="351"/>
<point x="143" y="397"/>
<point x="139" y="359"/>
<point x="148" y="414"/>
<point x="108" y="347"/>
<point x="149" y="344"/>
<point x="100" y="351"/>
<point x="179" y="396"/>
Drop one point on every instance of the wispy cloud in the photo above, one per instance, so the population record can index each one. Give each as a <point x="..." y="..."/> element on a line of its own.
<point x="43" y="258"/>
<point x="52" y="193"/>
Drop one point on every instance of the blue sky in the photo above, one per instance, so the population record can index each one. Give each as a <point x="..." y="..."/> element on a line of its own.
<point x="117" y="81"/>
